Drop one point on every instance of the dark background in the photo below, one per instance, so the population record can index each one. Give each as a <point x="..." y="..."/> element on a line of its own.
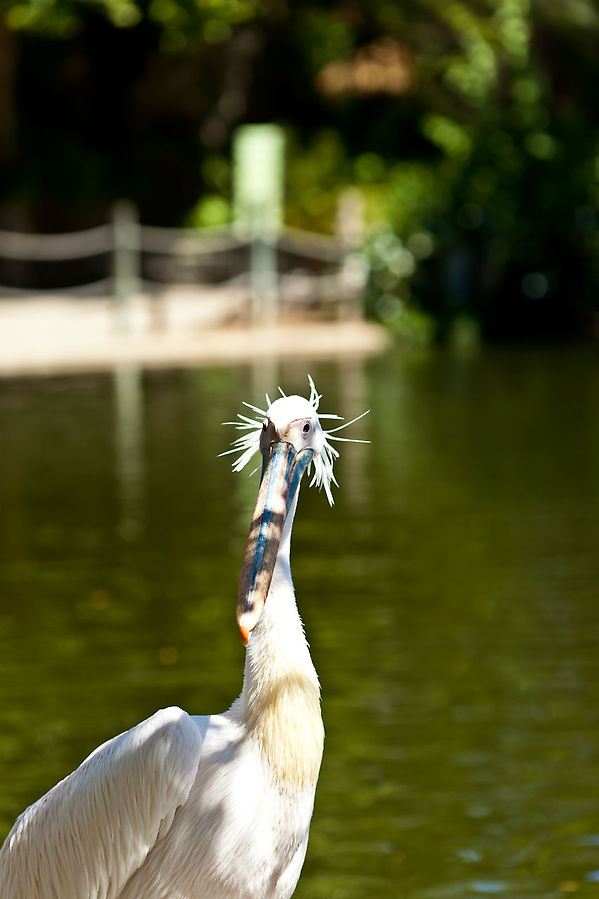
<point x="473" y="123"/>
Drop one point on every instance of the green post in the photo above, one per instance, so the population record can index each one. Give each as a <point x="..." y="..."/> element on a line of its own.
<point x="126" y="262"/>
<point x="350" y="229"/>
<point x="258" y="158"/>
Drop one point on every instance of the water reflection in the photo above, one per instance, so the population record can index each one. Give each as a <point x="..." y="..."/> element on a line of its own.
<point x="128" y="396"/>
<point x="449" y="598"/>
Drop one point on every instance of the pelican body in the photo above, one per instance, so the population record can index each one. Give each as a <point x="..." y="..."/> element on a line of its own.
<point x="202" y="807"/>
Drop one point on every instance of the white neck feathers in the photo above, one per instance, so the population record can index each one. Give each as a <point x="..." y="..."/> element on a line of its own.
<point x="280" y="701"/>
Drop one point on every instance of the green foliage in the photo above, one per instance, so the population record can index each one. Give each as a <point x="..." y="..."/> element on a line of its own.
<point x="315" y="173"/>
<point x="510" y="204"/>
<point x="214" y="207"/>
<point x="62" y="18"/>
<point x="183" y="21"/>
<point x="212" y="210"/>
<point x="515" y="231"/>
<point x="390" y="265"/>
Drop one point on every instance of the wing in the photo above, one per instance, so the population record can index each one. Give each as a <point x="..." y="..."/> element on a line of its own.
<point x="93" y="830"/>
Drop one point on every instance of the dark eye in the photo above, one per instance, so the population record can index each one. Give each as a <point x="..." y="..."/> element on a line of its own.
<point x="306" y="428"/>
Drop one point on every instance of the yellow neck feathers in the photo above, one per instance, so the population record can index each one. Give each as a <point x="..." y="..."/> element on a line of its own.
<point x="283" y="713"/>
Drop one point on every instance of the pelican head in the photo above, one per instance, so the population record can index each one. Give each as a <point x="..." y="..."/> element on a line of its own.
<point x="290" y="438"/>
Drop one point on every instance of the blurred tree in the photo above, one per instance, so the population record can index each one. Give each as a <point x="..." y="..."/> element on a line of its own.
<point x="469" y="125"/>
<point x="501" y="190"/>
<point x="117" y="98"/>
<point x="515" y="217"/>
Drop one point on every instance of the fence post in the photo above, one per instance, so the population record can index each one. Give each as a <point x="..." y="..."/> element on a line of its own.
<point x="350" y="228"/>
<point x="126" y="262"/>
<point x="263" y="274"/>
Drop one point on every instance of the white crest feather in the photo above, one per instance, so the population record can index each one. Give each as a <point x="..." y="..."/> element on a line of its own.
<point x="248" y="444"/>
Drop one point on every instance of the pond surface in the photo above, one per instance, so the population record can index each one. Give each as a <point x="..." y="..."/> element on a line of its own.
<point x="451" y="599"/>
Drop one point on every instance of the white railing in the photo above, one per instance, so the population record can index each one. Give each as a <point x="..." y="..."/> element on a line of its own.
<point x="125" y="241"/>
<point x="53" y="247"/>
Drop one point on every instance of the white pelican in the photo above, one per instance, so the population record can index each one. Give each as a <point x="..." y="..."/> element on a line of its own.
<point x="204" y="807"/>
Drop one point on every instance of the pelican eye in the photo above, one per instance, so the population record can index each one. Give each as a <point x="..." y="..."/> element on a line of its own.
<point x="307" y="427"/>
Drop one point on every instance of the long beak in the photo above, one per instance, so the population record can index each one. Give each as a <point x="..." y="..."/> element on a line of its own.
<point x="281" y="474"/>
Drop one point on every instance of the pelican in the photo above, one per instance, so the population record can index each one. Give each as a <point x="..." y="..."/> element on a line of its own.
<point x="217" y="806"/>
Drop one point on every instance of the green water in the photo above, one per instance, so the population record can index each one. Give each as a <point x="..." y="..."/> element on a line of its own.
<point x="450" y="598"/>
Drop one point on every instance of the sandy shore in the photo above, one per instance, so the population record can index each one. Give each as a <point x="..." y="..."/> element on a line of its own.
<point x="56" y="335"/>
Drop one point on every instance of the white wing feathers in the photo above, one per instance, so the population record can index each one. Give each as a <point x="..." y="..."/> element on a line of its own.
<point x="91" y="832"/>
